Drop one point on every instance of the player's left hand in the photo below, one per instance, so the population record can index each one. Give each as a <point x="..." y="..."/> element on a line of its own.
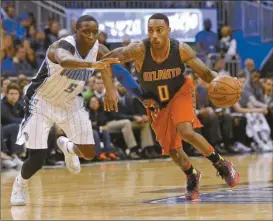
<point x="111" y="100"/>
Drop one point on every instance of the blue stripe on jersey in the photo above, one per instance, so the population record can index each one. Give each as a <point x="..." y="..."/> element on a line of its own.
<point x="79" y="74"/>
<point x="37" y="82"/>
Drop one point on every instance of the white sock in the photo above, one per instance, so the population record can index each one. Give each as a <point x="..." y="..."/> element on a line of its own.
<point x="67" y="144"/>
<point x="21" y="180"/>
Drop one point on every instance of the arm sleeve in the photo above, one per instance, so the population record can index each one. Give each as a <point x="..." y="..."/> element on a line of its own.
<point x="127" y="80"/>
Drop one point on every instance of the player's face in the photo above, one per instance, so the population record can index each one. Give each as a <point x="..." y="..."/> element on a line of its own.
<point x="99" y="86"/>
<point x="158" y="33"/>
<point x="13" y="96"/>
<point x="94" y="104"/>
<point x="88" y="33"/>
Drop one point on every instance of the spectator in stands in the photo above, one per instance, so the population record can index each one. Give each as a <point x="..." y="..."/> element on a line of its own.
<point x="130" y="117"/>
<point x="22" y="27"/>
<point x="4" y="85"/>
<point x="12" y="113"/>
<point x="254" y="87"/>
<point x="9" y="46"/>
<point x="62" y="33"/>
<point x="249" y="67"/>
<point x="268" y="91"/>
<point x="21" y="64"/>
<point x="22" y="82"/>
<point x="31" y="36"/>
<point x="40" y="47"/>
<point x="217" y="124"/>
<point x="268" y="98"/>
<point x="40" y="41"/>
<point x="10" y="24"/>
<point x="256" y="124"/>
<point x="220" y="67"/>
<point x="100" y="130"/>
<point x="206" y="41"/>
<point x="228" y="44"/>
<point x="30" y="54"/>
<point x="102" y="38"/>
<point x="99" y="89"/>
<point x="32" y="19"/>
<point x="12" y="110"/>
<point x="52" y="34"/>
<point x="5" y="4"/>
<point x="6" y="160"/>
<point x="88" y="93"/>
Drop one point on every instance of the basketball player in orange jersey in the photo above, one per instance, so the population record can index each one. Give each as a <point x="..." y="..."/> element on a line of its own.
<point x="169" y="97"/>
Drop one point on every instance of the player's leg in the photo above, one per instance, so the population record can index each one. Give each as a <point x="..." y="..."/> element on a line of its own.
<point x="193" y="175"/>
<point x="79" y="141"/>
<point x="183" y="116"/>
<point x="171" y="143"/>
<point x="224" y="167"/>
<point x="34" y="133"/>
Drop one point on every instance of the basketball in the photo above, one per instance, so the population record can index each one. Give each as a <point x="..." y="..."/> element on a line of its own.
<point x="224" y="91"/>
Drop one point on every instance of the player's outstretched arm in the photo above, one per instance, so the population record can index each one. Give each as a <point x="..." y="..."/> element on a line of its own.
<point x="62" y="52"/>
<point x="133" y="52"/>
<point x="188" y="56"/>
<point x="122" y="75"/>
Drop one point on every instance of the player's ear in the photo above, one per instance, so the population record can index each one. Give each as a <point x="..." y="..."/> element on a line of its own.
<point x="169" y="30"/>
<point x="75" y="31"/>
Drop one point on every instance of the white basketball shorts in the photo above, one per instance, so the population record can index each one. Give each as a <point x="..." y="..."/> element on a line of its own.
<point x="73" y="120"/>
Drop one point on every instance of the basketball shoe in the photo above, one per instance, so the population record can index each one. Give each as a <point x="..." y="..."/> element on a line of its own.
<point x="227" y="171"/>
<point x="18" y="194"/>
<point x="71" y="159"/>
<point x="192" y="188"/>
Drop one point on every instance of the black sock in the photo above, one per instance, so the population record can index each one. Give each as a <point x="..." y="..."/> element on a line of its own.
<point x="214" y="157"/>
<point x="189" y="171"/>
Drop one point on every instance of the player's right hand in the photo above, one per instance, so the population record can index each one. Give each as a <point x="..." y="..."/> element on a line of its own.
<point x="103" y="64"/>
<point x="111" y="100"/>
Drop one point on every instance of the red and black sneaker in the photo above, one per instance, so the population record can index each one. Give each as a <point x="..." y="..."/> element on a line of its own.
<point x="227" y="171"/>
<point x="192" y="189"/>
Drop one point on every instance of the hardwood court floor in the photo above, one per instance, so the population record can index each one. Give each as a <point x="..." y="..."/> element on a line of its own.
<point x="144" y="190"/>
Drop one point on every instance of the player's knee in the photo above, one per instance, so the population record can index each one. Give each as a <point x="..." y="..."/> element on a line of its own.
<point x="187" y="134"/>
<point x="88" y="152"/>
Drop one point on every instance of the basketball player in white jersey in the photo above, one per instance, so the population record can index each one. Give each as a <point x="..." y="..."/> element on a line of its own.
<point x="53" y="97"/>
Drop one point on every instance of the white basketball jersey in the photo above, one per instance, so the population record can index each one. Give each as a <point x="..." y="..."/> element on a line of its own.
<point x="60" y="86"/>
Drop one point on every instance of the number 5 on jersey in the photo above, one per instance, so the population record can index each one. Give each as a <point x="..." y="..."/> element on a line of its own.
<point x="71" y="88"/>
<point x="163" y="92"/>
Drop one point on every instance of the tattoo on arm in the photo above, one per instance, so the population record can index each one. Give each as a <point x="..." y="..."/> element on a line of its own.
<point x="188" y="56"/>
<point x="132" y="52"/>
<point x="103" y="50"/>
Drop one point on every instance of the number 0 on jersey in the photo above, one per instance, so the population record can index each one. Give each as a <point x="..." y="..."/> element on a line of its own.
<point x="163" y="92"/>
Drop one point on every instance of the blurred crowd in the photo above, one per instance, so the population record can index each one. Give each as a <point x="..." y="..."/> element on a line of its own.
<point x="245" y="127"/>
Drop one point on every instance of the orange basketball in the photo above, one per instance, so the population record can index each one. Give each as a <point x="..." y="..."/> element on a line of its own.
<point x="224" y="91"/>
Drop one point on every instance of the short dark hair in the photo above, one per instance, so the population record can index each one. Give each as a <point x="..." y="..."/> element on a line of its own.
<point x="85" y="18"/>
<point x="13" y="86"/>
<point x="160" y="16"/>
